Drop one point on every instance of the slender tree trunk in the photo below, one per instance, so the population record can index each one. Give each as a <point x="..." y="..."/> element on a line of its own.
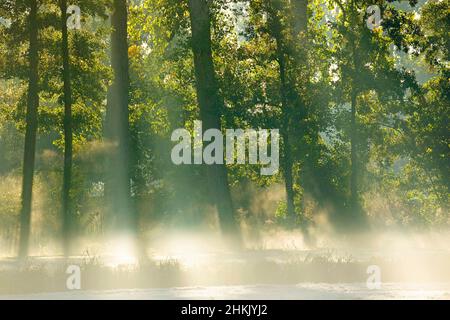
<point x="287" y="162"/>
<point x="288" y="177"/>
<point x="287" y="154"/>
<point x="300" y="29"/>
<point x="210" y="105"/>
<point x="356" y="216"/>
<point x="30" y="134"/>
<point x="118" y="183"/>
<point x="354" y="160"/>
<point x="356" y="213"/>
<point x="68" y="138"/>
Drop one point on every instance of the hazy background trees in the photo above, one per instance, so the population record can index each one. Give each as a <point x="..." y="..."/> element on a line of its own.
<point x="363" y="116"/>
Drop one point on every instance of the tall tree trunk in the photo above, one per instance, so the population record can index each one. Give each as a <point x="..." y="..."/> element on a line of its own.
<point x="210" y="105"/>
<point x="354" y="160"/>
<point x="68" y="138"/>
<point x="300" y="29"/>
<point x="30" y="134"/>
<point x="356" y="216"/>
<point x="117" y="187"/>
<point x="287" y="161"/>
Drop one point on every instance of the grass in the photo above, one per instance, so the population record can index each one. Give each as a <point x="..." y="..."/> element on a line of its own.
<point x="50" y="276"/>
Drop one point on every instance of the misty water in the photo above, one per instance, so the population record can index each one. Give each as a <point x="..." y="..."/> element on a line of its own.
<point x="189" y="266"/>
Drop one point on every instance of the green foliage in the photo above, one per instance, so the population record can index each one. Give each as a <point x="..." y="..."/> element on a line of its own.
<point x="401" y="121"/>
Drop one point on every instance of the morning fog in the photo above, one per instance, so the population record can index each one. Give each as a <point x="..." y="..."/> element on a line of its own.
<point x="191" y="150"/>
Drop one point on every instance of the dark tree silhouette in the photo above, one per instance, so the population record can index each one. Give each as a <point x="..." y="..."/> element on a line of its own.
<point x="210" y="104"/>
<point x="68" y="135"/>
<point x="117" y="186"/>
<point x="30" y="134"/>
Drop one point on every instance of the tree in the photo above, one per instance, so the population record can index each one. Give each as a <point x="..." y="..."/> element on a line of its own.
<point x="68" y="136"/>
<point x="118" y="186"/>
<point x="210" y="112"/>
<point x="30" y="135"/>
<point x="276" y="29"/>
<point x="286" y="50"/>
<point x="367" y="72"/>
<point x="287" y="26"/>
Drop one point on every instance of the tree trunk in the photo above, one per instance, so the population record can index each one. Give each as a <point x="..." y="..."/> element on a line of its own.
<point x="117" y="188"/>
<point x="210" y="105"/>
<point x="354" y="160"/>
<point x="288" y="177"/>
<point x="287" y="154"/>
<point x="357" y="215"/>
<point x="30" y="134"/>
<point x="68" y="138"/>
<point x="287" y="163"/>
